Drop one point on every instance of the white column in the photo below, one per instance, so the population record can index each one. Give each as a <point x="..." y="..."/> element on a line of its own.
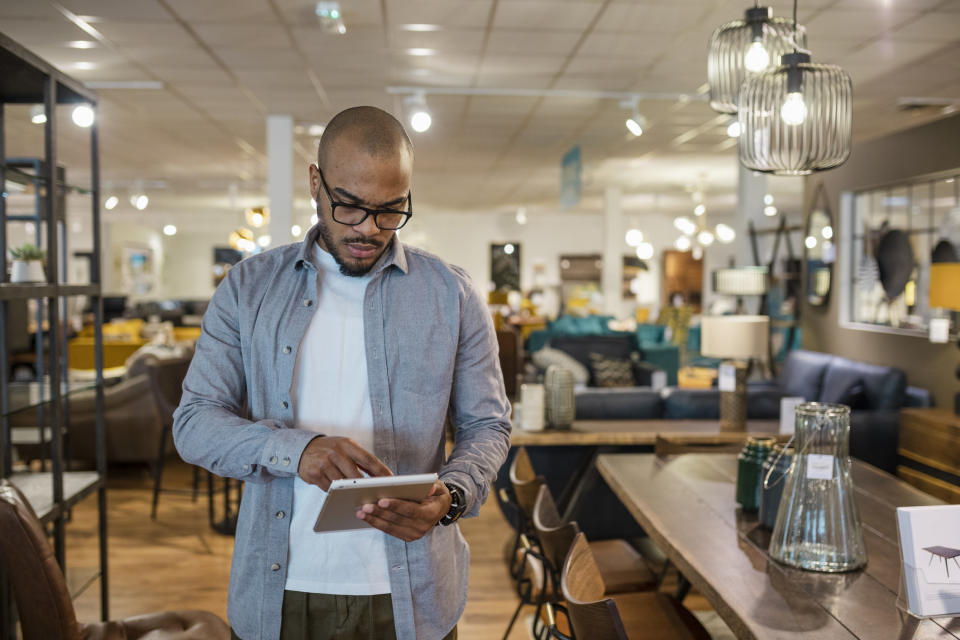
<point x="751" y="187"/>
<point x="280" y="176"/>
<point x="613" y="246"/>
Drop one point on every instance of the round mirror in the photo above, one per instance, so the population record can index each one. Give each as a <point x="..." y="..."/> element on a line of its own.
<point x="821" y="250"/>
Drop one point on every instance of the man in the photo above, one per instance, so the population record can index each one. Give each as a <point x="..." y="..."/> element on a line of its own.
<point x="342" y="355"/>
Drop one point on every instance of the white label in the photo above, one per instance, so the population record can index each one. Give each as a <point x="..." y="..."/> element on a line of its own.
<point x="819" y="466"/>
<point x="788" y="413"/>
<point x="727" y="377"/>
<point x="658" y="380"/>
<point x="940" y="330"/>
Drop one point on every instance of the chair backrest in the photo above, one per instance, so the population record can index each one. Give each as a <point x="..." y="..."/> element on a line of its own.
<point x="43" y="602"/>
<point x="526" y="483"/>
<point x="166" y="382"/>
<point x="667" y="446"/>
<point x="555" y="535"/>
<point x="591" y="615"/>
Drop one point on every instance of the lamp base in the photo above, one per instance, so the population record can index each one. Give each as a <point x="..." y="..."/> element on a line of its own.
<point x="956" y="404"/>
<point x="733" y="404"/>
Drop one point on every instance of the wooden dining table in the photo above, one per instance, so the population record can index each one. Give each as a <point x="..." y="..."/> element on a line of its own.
<point x="686" y="504"/>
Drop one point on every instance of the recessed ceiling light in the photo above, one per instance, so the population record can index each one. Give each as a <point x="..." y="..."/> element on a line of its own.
<point x="420" y="27"/>
<point x="417" y="51"/>
<point x="316" y="130"/>
<point x="83" y="66"/>
<point x="83" y="115"/>
<point x="170" y="230"/>
<point x="81" y="44"/>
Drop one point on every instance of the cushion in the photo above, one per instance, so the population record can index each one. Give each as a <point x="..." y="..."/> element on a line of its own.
<point x="618" y="403"/>
<point x="884" y="387"/>
<point x="803" y="373"/>
<point x="611" y="372"/>
<point x="642" y="371"/>
<point x="650" y="333"/>
<point x="548" y="356"/>
<point x="580" y="347"/>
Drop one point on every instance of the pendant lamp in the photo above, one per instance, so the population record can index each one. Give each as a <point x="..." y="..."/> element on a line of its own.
<point x="743" y="48"/>
<point x="797" y="118"/>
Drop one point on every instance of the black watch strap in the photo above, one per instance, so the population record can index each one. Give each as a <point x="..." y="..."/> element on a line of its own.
<point x="458" y="504"/>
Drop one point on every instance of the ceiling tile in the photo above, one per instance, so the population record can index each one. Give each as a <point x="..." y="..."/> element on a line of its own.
<point x="99" y="10"/>
<point x="532" y="14"/>
<point x="449" y="14"/>
<point x="531" y="42"/>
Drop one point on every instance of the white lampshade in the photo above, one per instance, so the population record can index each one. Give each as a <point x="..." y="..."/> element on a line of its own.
<point x="735" y="337"/>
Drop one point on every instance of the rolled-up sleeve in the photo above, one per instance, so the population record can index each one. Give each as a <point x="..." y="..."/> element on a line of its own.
<point x="479" y="409"/>
<point x="209" y="427"/>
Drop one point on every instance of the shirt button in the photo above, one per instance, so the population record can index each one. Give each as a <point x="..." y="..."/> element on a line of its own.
<point x="286" y="462"/>
<point x="307" y="302"/>
<point x="246" y="467"/>
<point x="275" y="567"/>
<point x="280" y="515"/>
<point x="273" y="459"/>
<point x="284" y="404"/>
<point x="287" y="349"/>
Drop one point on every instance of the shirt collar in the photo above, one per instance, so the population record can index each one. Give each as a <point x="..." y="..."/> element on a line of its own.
<point x="395" y="255"/>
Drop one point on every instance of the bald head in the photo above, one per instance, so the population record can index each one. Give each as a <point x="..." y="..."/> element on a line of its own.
<point x="370" y="129"/>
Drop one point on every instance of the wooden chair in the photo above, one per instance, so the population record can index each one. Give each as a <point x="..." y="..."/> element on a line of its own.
<point x="43" y="602"/>
<point x="622" y="567"/>
<point x="645" y="615"/>
<point x="166" y="384"/>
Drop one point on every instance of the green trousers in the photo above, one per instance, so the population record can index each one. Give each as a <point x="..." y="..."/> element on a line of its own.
<point x="321" y="616"/>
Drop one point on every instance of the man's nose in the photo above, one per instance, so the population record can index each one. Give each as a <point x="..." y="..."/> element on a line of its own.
<point x="368" y="227"/>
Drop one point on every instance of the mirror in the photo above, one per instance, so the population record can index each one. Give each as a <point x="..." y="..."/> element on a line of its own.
<point x="821" y="249"/>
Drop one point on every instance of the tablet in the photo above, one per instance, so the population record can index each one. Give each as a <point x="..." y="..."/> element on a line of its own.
<point x="346" y="496"/>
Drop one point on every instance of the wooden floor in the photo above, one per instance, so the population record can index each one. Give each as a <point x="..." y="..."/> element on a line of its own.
<point x="178" y="562"/>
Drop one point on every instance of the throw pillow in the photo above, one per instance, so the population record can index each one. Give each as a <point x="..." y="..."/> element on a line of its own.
<point x="855" y="397"/>
<point x="611" y="372"/>
<point x="547" y="356"/>
<point x="642" y="371"/>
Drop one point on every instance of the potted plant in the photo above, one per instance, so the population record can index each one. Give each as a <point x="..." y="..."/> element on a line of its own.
<point x="27" y="264"/>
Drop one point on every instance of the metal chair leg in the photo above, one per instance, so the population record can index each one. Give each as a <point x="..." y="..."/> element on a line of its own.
<point x="158" y="472"/>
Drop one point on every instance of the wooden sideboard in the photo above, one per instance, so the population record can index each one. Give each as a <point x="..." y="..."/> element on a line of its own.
<point x="930" y="452"/>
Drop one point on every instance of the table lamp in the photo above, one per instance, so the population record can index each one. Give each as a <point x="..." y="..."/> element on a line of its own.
<point x="736" y="339"/>
<point x="945" y="294"/>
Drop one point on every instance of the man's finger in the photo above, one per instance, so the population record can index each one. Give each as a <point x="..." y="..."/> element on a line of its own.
<point x="403" y="507"/>
<point x="344" y="465"/>
<point x="370" y="463"/>
<point x="397" y="531"/>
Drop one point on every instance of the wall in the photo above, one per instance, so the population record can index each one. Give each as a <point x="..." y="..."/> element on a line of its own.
<point x="188" y="259"/>
<point x="927" y="149"/>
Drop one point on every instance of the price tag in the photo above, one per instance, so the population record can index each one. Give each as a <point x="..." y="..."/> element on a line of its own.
<point x="788" y="413"/>
<point x="727" y="377"/>
<point x="940" y="330"/>
<point x="819" y="466"/>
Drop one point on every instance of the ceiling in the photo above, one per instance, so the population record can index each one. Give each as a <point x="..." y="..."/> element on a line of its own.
<point x="198" y="144"/>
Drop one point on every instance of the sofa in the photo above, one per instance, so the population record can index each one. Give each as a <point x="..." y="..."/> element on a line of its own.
<point x="875" y="394"/>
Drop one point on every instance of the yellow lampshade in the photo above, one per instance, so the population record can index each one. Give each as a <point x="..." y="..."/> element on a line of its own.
<point x="945" y="285"/>
<point x="736" y="337"/>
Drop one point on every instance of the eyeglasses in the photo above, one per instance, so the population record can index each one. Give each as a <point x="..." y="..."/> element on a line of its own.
<point x="353" y="214"/>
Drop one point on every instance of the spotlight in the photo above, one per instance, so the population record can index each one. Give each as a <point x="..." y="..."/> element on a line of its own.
<point x="111" y="203"/>
<point x="83" y="115"/>
<point x="636" y="123"/>
<point x="420" y="119"/>
<point x="140" y="201"/>
<point x="330" y="17"/>
<point x="37" y="114"/>
<point x="170" y="230"/>
<point x="509" y="249"/>
<point x="645" y="251"/>
<point x="295" y="231"/>
<point x="768" y="199"/>
<point x="770" y="211"/>
<point x="634" y="237"/>
<point x="522" y="216"/>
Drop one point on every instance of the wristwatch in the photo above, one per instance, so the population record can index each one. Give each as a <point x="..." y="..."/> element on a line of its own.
<point x="458" y="504"/>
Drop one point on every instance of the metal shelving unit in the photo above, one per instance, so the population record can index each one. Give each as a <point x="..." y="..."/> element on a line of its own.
<point x="27" y="79"/>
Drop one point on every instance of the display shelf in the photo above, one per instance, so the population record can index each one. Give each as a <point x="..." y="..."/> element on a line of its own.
<point x="37" y="486"/>
<point x="14" y="167"/>
<point x="28" y="290"/>
<point x="29" y="395"/>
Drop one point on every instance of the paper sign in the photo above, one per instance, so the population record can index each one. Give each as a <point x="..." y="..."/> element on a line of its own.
<point x="940" y="330"/>
<point x="819" y="466"/>
<point x="658" y="380"/>
<point x="727" y="377"/>
<point x="930" y="546"/>
<point x="788" y="413"/>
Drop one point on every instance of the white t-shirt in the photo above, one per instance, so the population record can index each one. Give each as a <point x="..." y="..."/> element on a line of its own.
<point x="331" y="396"/>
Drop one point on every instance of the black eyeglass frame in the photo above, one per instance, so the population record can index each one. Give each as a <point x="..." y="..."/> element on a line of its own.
<point x="367" y="212"/>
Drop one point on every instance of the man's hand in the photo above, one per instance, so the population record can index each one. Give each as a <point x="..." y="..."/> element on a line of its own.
<point x="406" y="519"/>
<point x="329" y="458"/>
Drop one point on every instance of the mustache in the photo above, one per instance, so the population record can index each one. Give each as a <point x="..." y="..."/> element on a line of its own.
<point x="366" y="241"/>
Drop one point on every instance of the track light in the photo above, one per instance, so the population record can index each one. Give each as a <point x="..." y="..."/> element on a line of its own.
<point x="37" y="114"/>
<point x="111" y="203"/>
<point x="169" y="230"/>
<point x="420" y="119"/>
<point x="140" y="201"/>
<point x="634" y="237"/>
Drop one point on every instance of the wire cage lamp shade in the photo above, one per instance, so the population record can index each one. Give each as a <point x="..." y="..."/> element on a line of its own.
<point x="796" y="119"/>
<point x="745" y="47"/>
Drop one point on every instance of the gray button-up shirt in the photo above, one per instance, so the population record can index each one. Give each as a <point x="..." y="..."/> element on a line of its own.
<point x="431" y="355"/>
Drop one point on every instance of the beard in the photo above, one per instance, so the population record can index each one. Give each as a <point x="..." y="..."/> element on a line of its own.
<point x="349" y="266"/>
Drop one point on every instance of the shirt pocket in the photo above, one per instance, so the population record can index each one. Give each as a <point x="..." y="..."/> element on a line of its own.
<point x="422" y="359"/>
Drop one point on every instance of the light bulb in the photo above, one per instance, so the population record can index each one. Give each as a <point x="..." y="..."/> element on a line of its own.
<point x="725" y="233"/>
<point x="420" y="120"/>
<point x="295" y="231"/>
<point x="811" y="242"/>
<point x="37" y="114"/>
<point x="705" y="238"/>
<point x="634" y="237"/>
<point x="827" y="232"/>
<point x="521" y="215"/>
<point x="508" y="249"/>
<point x="141" y="202"/>
<point x="170" y="230"/>
<point x="264" y="241"/>
<point x="733" y="129"/>
<point x="256" y="219"/>
<point x="111" y="202"/>
<point x="634" y="127"/>
<point x="699" y="210"/>
<point x="83" y="115"/>
<point x="645" y="251"/>
<point x="794" y="110"/>
<point x="757" y="59"/>
<point x="768" y="199"/>
<point x="697" y="253"/>
<point x="770" y="211"/>
<point x="682" y="243"/>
